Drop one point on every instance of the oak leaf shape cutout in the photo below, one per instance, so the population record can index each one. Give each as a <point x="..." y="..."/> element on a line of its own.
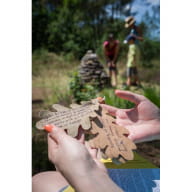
<point x="111" y="138"/>
<point x="70" y="118"/>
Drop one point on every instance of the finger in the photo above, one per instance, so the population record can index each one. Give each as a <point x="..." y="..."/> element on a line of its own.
<point x="101" y="100"/>
<point x="52" y="146"/>
<point x="110" y="109"/>
<point x="51" y="142"/>
<point x="127" y="95"/>
<point x="140" y="134"/>
<point x="57" y="134"/>
<point x="48" y="128"/>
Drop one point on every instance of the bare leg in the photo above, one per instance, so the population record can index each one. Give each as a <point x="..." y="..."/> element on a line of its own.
<point x="136" y="80"/>
<point x="110" y="76"/>
<point x="50" y="181"/>
<point x="114" y="78"/>
<point x="129" y="81"/>
<point x="110" y="72"/>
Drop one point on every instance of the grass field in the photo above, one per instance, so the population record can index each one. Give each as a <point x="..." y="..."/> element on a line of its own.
<point x="52" y="74"/>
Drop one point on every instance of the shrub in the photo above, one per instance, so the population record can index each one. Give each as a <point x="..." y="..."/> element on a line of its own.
<point x="80" y="91"/>
<point x="149" y="50"/>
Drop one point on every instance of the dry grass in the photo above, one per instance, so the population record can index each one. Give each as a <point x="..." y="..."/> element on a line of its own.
<point x="51" y="76"/>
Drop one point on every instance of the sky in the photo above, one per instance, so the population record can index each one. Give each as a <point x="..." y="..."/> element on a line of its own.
<point x="142" y="6"/>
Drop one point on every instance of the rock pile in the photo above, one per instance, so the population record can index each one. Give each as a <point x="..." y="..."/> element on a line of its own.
<point x="92" y="71"/>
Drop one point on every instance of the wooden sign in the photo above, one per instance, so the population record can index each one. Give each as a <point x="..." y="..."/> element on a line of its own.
<point x="111" y="138"/>
<point x="70" y="118"/>
<point x="105" y="133"/>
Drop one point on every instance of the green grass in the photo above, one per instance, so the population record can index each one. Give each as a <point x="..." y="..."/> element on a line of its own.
<point x="153" y="94"/>
<point x="112" y="99"/>
<point x="138" y="162"/>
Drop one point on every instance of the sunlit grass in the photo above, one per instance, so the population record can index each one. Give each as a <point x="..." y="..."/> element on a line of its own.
<point x="153" y="94"/>
<point x="112" y="99"/>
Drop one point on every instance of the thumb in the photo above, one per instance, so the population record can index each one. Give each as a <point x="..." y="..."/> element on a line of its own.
<point x="110" y="109"/>
<point x="140" y="135"/>
<point x="57" y="134"/>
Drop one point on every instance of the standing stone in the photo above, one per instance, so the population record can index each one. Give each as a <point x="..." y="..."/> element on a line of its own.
<point x="92" y="71"/>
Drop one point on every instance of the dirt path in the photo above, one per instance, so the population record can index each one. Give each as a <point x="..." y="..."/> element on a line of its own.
<point x="150" y="151"/>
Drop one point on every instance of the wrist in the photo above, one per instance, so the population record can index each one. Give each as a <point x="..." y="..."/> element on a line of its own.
<point x="94" y="180"/>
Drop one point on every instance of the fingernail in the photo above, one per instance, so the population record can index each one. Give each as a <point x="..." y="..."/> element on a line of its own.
<point x="101" y="100"/>
<point x="48" y="128"/>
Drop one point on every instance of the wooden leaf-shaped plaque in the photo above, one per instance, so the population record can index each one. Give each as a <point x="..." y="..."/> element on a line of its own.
<point x="70" y="118"/>
<point x="111" y="138"/>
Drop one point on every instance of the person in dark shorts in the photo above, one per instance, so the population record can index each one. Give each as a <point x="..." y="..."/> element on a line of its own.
<point x="111" y="50"/>
<point x="133" y="61"/>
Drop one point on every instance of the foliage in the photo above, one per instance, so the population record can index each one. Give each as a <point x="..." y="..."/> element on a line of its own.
<point x="80" y="91"/>
<point x="72" y="27"/>
<point x="150" y="49"/>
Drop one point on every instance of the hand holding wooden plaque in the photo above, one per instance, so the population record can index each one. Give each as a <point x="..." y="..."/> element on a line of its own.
<point x="105" y="133"/>
<point x="70" y="118"/>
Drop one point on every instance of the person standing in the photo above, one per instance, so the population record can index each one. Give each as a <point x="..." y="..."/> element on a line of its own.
<point x="111" y="50"/>
<point x="133" y="39"/>
<point x="132" y="63"/>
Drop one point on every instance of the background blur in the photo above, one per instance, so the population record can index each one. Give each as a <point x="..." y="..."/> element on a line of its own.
<point x="62" y="32"/>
